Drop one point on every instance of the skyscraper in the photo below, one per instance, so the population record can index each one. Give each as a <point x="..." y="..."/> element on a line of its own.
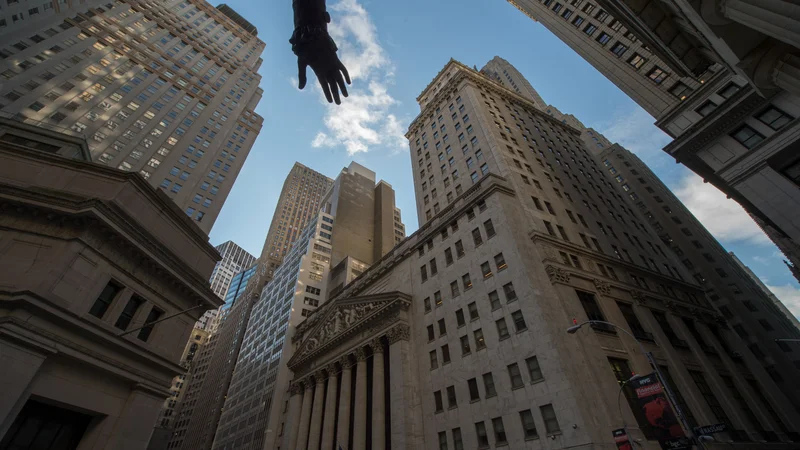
<point x="354" y="228"/>
<point x="298" y="203"/>
<point x="728" y="285"/>
<point x="234" y="260"/>
<point x="199" y="409"/>
<point x="458" y="336"/>
<point x="501" y="71"/>
<point x="721" y="79"/>
<point x="165" y="89"/>
<point x="238" y="286"/>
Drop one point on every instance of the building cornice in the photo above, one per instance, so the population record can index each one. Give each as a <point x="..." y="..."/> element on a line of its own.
<point x="468" y="74"/>
<point x="680" y="107"/>
<point x="111" y="222"/>
<point x="720" y="121"/>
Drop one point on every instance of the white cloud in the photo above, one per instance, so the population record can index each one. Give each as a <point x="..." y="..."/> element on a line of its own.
<point x="363" y="120"/>
<point x="723" y="217"/>
<point x="788" y="295"/>
<point x="635" y="131"/>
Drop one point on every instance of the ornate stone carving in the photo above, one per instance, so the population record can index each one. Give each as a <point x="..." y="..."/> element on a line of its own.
<point x="376" y="345"/>
<point x="639" y="297"/>
<point x="346" y="362"/>
<point x="331" y="369"/>
<point x="400" y="332"/>
<point x="602" y="287"/>
<point x="557" y="274"/>
<point x="320" y="375"/>
<point x="296" y="388"/>
<point x="360" y="354"/>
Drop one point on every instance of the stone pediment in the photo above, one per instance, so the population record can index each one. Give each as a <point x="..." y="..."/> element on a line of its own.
<point x="343" y="318"/>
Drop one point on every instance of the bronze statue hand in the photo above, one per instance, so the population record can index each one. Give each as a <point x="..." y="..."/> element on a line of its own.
<point x="320" y="54"/>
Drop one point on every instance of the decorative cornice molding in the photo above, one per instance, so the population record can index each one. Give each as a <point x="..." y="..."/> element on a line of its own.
<point x="639" y="296"/>
<point x="108" y="222"/>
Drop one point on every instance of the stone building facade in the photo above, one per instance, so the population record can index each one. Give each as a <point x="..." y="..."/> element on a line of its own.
<point x="751" y="313"/>
<point x="719" y="77"/>
<point x="92" y="259"/>
<point x="165" y="89"/>
<point x="457" y="337"/>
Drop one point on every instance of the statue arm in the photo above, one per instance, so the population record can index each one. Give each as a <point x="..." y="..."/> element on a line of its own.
<point x="314" y="47"/>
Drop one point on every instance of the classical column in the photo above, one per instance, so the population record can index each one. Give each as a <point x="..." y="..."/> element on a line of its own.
<point x="360" y="416"/>
<point x="343" y="429"/>
<point x="405" y="429"/>
<point x="295" y="404"/>
<point x="305" y="417"/>
<point x="329" y="419"/>
<point x="378" y="397"/>
<point x="316" y="412"/>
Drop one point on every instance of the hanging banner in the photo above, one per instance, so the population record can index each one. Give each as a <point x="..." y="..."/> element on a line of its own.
<point x="621" y="439"/>
<point x="658" y="411"/>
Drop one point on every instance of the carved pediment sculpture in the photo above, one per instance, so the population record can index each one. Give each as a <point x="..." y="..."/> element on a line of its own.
<point x="346" y="317"/>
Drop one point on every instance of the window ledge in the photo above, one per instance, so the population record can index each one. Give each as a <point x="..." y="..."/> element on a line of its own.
<point x="532" y="438"/>
<point x="540" y="380"/>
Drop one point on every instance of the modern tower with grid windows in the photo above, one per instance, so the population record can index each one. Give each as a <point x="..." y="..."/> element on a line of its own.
<point x="165" y="89"/>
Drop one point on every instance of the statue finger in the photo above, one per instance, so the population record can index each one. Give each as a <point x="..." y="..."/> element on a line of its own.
<point x="301" y="73"/>
<point x="344" y="71"/>
<point x="340" y="82"/>
<point x="325" y="89"/>
<point x="335" y="92"/>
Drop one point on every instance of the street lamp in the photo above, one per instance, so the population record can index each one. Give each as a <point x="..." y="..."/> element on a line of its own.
<point x="670" y="396"/>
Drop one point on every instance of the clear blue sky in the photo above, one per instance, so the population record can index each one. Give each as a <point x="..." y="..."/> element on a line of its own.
<point x="393" y="49"/>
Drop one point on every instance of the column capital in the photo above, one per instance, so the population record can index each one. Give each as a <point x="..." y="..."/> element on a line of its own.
<point x="376" y="345"/>
<point x="345" y="362"/>
<point x="361" y="354"/>
<point x="400" y="332"/>
<point x="295" y="388"/>
<point x="307" y="384"/>
<point x="331" y="369"/>
<point x="319" y="376"/>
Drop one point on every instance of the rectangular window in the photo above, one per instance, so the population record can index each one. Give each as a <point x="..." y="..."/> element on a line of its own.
<point x="502" y="328"/>
<point x="534" y="370"/>
<point x="619" y="49"/>
<point x="590" y="29"/>
<point x="480" y="342"/>
<point x="476" y="237"/>
<point x="473" y="311"/>
<point x="445" y="354"/>
<point x="511" y="294"/>
<point x="728" y="91"/>
<point x="706" y="108"/>
<point x="437" y="400"/>
<point x="519" y="321"/>
<point x="747" y="136"/>
<point x="452" y="401"/>
<point x="480" y="433"/>
<point x="474" y="394"/>
<point x="423" y="272"/>
<point x="528" y="426"/>
<point x="657" y="75"/>
<point x="603" y="38"/>
<point x="680" y="90"/>
<point x="774" y="118"/>
<point x="465" y="349"/>
<point x="127" y="314"/>
<point x="515" y="376"/>
<point x="105" y="299"/>
<point x="550" y="420"/>
<point x="459" y="248"/>
<point x="499" y="431"/>
<point x="147" y="329"/>
<point x="489" y="227"/>
<point x="458" y="442"/>
<point x="433" y="359"/>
